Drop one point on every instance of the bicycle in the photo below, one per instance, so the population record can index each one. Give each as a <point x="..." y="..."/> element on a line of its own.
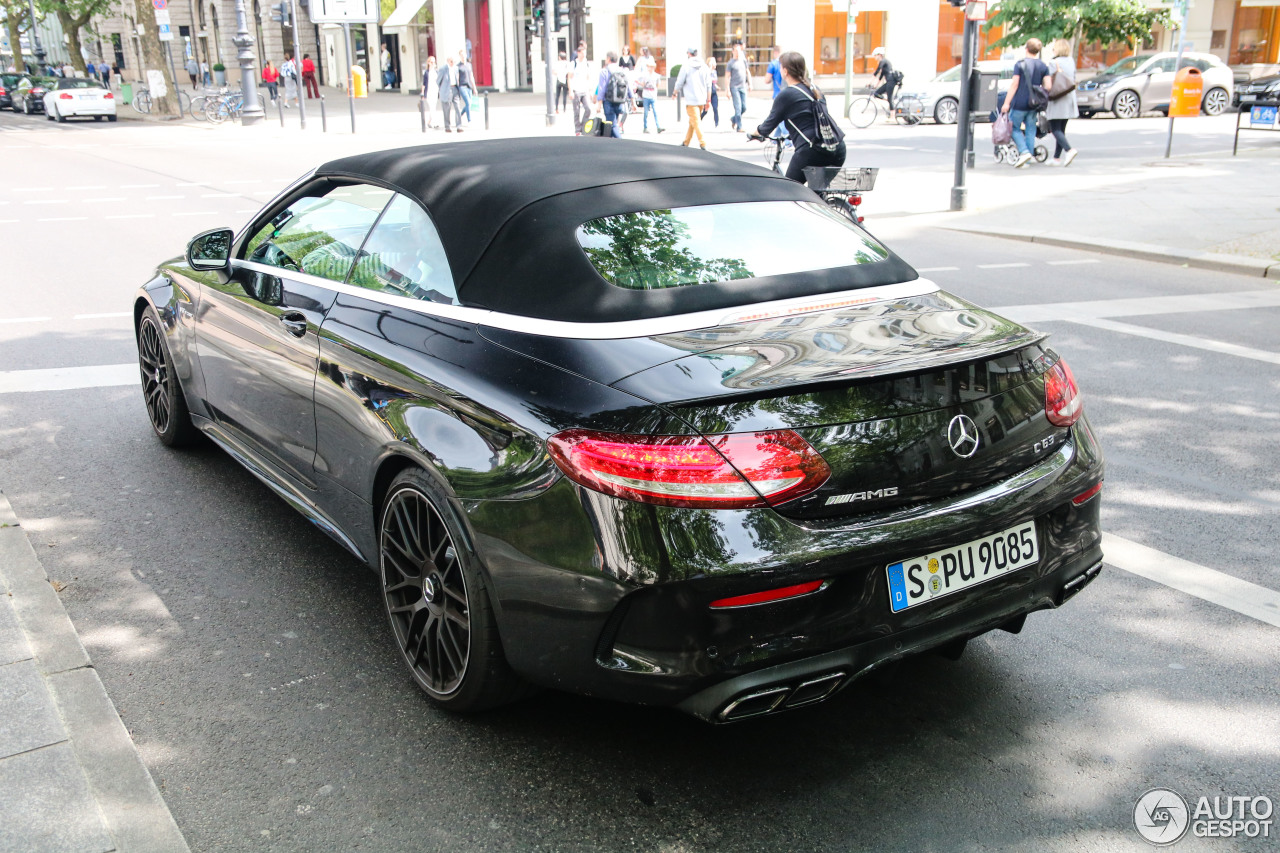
<point x="777" y="152"/>
<point x="865" y="110"/>
<point x="224" y="106"/>
<point x="142" y="101"/>
<point x="839" y="187"/>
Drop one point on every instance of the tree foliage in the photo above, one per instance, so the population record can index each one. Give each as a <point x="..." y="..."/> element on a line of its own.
<point x="75" y="15"/>
<point x="1084" y="21"/>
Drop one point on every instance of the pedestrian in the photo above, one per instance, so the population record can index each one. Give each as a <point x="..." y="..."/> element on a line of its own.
<point x="797" y="106"/>
<point x="775" y="71"/>
<point x="271" y="78"/>
<point x="447" y="78"/>
<point x="430" y="90"/>
<point x="611" y="93"/>
<point x="204" y="72"/>
<point x="563" y="69"/>
<point x="193" y="69"/>
<point x="648" y="80"/>
<point x="1063" y="108"/>
<point x="309" y="77"/>
<point x="388" y="74"/>
<point x="693" y="86"/>
<point x="1017" y="104"/>
<point x="739" y="84"/>
<point x="91" y="70"/>
<point x="889" y="78"/>
<point x="289" y="74"/>
<point x="646" y="59"/>
<point x="466" y="85"/>
<point x="115" y="71"/>
<point x="714" y="77"/>
<point x="582" y="79"/>
<point x="627" y="61"/>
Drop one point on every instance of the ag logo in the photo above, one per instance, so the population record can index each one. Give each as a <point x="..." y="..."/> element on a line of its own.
<point x="1161" y="816"/>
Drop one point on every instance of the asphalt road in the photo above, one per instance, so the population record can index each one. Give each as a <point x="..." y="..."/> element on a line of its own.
<point x="251" y="661"/>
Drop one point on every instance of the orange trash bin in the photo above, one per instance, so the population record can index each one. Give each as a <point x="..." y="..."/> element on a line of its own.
<point x="1188" y="89"/>
<point x="359" y="83"/>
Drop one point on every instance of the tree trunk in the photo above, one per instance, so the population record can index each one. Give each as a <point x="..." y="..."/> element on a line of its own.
<point x="12" y="22"/>
<point x="71" y="29"/>
<point x="154" y="58"/>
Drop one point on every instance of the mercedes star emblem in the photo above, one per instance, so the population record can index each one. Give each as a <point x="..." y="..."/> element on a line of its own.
<point x="962" y="435"/>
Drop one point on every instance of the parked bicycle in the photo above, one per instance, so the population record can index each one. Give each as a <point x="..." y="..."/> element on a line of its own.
<point x="866" y="109"/>
<point x="142" y="101"/>
<point x="840" y="188"/>
<point x="218" y="108"/>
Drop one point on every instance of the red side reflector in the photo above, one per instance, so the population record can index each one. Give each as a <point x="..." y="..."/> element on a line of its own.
<point x="1083" y="497"/>
<point x="769" y="595"/>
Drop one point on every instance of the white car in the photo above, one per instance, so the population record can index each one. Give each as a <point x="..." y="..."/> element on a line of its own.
<point x="1137" y="84"/>
<point x="940" y="97"/>
<point x="71" y="97"/>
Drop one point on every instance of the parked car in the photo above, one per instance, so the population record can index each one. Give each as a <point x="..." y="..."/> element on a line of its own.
<point x="940" y="97"/>
<point x="1142" y="83"/>
<point x="28" y="95"/>
<point x="8" y="82"/>
<point x="648" y="424"/>
<point x="72" y="97"/>
<point x="1260" y="89"/>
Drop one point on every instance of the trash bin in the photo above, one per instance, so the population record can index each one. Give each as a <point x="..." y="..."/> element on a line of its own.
<point x="1188" y="88"/>
<point x="983" y="86"/>
<point x="359" y="84"/>
<point x="126" y="93"/>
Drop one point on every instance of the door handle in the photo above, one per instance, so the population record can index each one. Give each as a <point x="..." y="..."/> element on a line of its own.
<point x="294" y="322"/>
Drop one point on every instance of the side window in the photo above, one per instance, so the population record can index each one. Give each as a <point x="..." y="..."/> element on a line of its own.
<point x="404" y="256"/>
<point x="320" y="233"/>
<point x="1165" y="64"/>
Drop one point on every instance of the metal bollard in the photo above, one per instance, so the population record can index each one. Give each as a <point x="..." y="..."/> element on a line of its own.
<point x="422" y="113"/>
<point x="280" y="109"/>
<point x="324" y="122"/>
<point x="486" y="110"/>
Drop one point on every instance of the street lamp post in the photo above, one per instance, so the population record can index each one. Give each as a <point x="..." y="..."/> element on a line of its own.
<point x="35" y="36"/>
<point x="252" y="112"/>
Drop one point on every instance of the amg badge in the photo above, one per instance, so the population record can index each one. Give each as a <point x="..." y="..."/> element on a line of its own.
<point x="868" y="495"/>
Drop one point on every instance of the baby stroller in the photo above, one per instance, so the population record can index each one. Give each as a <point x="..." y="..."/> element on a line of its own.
<point x="1008" y="153"/>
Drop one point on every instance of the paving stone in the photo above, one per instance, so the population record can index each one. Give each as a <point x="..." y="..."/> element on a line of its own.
<point x="13" y="642"/>
<point x="46" y="805"/>
<point x="28" y="717"/>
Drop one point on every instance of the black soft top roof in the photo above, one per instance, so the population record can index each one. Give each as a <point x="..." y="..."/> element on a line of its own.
<point x="507" y="210"/>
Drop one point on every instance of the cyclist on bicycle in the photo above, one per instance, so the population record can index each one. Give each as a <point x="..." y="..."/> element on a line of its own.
<point x="796" y="106"/>
<point x="889" y="79"/>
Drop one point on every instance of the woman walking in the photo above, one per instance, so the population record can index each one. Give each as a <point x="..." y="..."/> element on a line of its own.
<point x="431" y="90"/>
<point x="795" y="106"/>
<point x="1063" y="108"/>
<point x="289" y="73"/>
<point x="271" y="77"/>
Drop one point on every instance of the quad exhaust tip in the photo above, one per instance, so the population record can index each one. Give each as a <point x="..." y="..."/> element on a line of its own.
<point x="781" y="697"/>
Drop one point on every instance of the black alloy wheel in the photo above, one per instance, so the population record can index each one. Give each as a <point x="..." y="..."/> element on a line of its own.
<point x="166" y="407"/>
<point x="437" y="603"/>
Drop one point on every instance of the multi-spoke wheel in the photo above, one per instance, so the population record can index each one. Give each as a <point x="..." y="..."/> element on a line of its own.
<point x="946" y="111"/>
<point x="1127" y="104"/>
<point x="437" y="602"/>
<point x="166" y="407"/>
<point x="1216" y="101"/>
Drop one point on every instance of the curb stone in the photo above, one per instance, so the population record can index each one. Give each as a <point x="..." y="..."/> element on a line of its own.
<point x="1257" y="267"/>
<point x="97" y="758"/>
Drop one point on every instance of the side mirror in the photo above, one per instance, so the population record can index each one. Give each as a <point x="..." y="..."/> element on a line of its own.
<point x="211" y="250"/>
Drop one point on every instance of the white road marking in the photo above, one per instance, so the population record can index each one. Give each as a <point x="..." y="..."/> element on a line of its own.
<point x="245" y="181"/>
<point x="1182" y="340"/>
<point x="218" y="195"/>
<point x="1067" y="263"/>
<point x="130" y="216"/>
<point x="1210" y="585"/>
<point x="189" y="184"/>
<point x="936" y="269"/>
<point x="26" y="320"/>
<point x="1001" y="266"/>
<point x="163" y="197"/>
<point x="95" y="187"/>
<point x="7" y="221"/>
<point x="46" y="201"/>
<point x="96" y="200"/>
<point x="33" y="189"/>
<point x="1193" y="303"/>
<point x="197" y="213"/>
<point x="68" y="378"/>
<point x="63" y="219"/>
<point x="138" y="186"/>
<point x="102" y="316"/>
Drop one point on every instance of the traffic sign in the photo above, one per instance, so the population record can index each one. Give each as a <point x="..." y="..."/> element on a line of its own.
<point x="345" y="12"/>
<point x="162" y="17"/>
<point x="166" y="34"/>
<point x="160" y="4"/>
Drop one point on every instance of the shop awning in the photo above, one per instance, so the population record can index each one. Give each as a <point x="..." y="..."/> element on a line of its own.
<point x="406" y="11"/>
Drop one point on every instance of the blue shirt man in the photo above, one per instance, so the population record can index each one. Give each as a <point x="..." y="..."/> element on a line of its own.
<point x="775" y="71"/>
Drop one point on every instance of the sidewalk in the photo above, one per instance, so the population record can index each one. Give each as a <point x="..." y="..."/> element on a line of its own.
<point x="71" y="780"/>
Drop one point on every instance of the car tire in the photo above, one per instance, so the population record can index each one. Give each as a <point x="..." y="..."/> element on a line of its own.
<point x="58" y="116"/>
<point x="161" y="391"/>
<point x="97" y="118"/>
<point x="1127" y="104"/>
<point x="111" y="118"/>
<point x="438" y="601"/>
<point x="946" y="111"/>
<point x="1215" y="101"/>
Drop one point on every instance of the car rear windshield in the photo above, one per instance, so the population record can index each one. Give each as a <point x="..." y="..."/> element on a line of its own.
<point x="76" y="83"/>
<point x="658" y="249"/>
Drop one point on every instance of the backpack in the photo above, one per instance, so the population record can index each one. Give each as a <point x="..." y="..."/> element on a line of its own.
<point x="827" y="135"/>
<point x="615" y="90"/>
<point x="1037" y="97"/>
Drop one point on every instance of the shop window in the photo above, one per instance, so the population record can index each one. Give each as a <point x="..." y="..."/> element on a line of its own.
<point x="647" y="27"/>
<point x="754" y="31"/>
<point x="1255" y="35"/>
<point x="829" y="39"/>
<point x="951" y="38"/>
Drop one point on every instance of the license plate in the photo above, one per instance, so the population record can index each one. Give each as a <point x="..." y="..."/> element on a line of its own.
<point x="921" y="579"/>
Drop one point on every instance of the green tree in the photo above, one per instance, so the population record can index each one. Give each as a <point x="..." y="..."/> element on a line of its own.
<point x="1083" y="21"/>
<point x="75" y="15"/>
<point x="15" y="14"/>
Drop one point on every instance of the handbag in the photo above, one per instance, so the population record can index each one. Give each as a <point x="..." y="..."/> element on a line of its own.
<point x="1061" y="84"/>
<point x="1002" y="130"/>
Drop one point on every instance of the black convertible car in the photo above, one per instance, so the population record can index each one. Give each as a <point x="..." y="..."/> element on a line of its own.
<point x="628" y="420"/>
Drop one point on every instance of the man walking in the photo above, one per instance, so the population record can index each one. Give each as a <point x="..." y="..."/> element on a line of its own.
<point x="775" y="71"/>
<point x="447" y="77"/>
<point x="611" y="92"/>
<point x="581" y="81"/>
<point x="739" y="85"/>
<point x="466" y="85"/>
<point x="193" y="70"/>
<point x="1028" y="72"/>
<point x="309" y="77"/>
<point x="693" y="85"/>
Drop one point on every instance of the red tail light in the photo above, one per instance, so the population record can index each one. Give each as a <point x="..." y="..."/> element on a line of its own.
<point x="734" y="471"/>
<point x="1086" y="495"/>
<point x="769" y="595"/>
<point x="855" y="200"/>
<point x="65" y="96"/>
<point x="3" y="91"/>
<point x="108" y="96"/>
<point x="1062" y="400"/>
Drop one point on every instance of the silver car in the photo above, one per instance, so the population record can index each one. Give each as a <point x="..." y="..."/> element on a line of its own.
<point x="1138" y="84"/>
<point x="940" y="97"/>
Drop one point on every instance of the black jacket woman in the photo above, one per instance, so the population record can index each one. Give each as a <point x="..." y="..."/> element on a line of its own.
<point x="795" y="107"/>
